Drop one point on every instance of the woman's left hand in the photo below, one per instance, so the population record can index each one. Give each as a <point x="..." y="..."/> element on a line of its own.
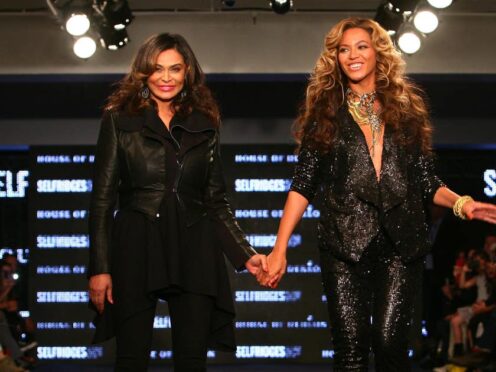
<point x="256" y="264"/>
<point x="475" y="210"/>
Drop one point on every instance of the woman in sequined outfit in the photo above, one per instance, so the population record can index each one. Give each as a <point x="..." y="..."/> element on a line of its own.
<point x="364" y="136"/>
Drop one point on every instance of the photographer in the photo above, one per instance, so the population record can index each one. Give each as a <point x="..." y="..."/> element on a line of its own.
<point x="19" y="275"/>
<point x="7" y="341"/>
<point x="7" y="282"/>
<point x="21" y="328"/>
<point x="10" y="320"/>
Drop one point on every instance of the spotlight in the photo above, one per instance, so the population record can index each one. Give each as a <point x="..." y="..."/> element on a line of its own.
<point x="388" y="19"/>
<point x="113" y="39"/>
<point x="425" y="21"/>
<point x="409" y="41"/>
<point x="77" y="24"/>
<point x="117" y="14"/>
<point x="229" y="3"/>
<point x="402" y="6"/>
<point x="281" y="6"/>
<point x="84" y="47"/>
<point x="440" y="4"/>
<point x="108" y="17"/>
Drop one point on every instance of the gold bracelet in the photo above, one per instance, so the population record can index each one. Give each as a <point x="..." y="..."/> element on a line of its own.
<point x="460" y="202"/>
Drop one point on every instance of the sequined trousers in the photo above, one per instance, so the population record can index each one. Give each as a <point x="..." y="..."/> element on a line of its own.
<point x="370" y="306"/>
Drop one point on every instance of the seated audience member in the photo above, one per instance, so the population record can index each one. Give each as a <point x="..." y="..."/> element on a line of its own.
<point x="456" y="294"/>
<point x="462" y="316"/>
<point x="482" y="329"/>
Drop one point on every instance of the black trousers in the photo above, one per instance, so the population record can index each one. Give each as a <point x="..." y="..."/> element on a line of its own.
<point x="370" y="305"/>
<point x="190" y="326"/>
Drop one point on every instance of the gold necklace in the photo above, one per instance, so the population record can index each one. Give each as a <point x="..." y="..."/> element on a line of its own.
<point x="361" y="108"/>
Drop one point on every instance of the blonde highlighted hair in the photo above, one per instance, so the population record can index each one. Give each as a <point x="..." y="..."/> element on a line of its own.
<point x="403" y="105"/>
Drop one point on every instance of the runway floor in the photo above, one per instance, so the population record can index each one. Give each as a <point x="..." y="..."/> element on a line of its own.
<point x="213" y="368"/>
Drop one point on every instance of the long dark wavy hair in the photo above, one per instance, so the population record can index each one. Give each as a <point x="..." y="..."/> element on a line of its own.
<point x="127" y="96"/>
<point x="403" y="103"/>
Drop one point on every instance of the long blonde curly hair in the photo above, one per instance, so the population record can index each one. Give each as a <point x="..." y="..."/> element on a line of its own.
<point x="403" y="103"/>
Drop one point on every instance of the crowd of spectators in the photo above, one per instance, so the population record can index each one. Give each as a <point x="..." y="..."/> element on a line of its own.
<point x="465" y="333"/>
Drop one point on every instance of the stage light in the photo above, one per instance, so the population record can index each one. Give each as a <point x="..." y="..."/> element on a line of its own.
<point x="77" y="24"/>
<point x="117" y="14"/>
<point x="440" y="4"/>
<point x="107" y="17"/>
<point x="84" y="47"/>
<point x="425" y="21"/>
<point x="281" y="6"/>
<point x="388" y="19"/>
<point x="402" y="6"/>
<point x="409" y="42"/>
<point x="113" y="39"/>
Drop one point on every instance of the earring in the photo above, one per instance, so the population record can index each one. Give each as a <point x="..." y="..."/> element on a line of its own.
<point x="183" y="94"/>
<point x="145" y="92"/>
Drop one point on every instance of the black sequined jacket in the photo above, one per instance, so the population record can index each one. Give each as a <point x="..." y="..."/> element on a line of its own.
<point x="356" y="204"/>
<point x="130" y="168"/>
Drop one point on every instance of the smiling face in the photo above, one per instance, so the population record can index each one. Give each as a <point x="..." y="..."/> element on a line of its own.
<point x="357" y="59"/>
<point x="169" y="76"/>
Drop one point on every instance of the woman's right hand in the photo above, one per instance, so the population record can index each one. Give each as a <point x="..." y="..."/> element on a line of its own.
<point x="100" y="289"/>
<point x="294" y="208"/>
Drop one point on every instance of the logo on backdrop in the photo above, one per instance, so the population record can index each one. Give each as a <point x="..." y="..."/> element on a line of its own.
<point x="13" y="184"/>
<point x="490" y="180"/>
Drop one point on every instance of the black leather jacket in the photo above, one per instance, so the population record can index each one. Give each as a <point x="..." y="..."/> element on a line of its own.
<point x="130" y="168"/>
<point x="356" y="205"/>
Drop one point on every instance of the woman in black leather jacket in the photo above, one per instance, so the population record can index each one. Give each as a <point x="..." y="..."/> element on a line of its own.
<point x="364" y="132"/>
<point x="158" y="164"/>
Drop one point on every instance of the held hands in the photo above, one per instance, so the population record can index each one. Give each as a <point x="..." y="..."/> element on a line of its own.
<point x="257" y="265"/>
<point x="267" y="269"/>
<point x="475" y="210"/>
<point x="100" y="287"/>
<point x="277" y="267"/>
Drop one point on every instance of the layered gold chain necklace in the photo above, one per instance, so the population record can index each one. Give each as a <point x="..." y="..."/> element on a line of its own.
<point x="361" y="108"/>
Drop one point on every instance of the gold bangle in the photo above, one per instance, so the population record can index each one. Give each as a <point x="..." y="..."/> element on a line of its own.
<point x="460" y="202"/>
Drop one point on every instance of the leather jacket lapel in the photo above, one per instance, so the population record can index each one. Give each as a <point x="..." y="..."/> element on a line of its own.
<point x="153" y="126"/>
<point x="192" y="139"/>
<point x="196" y="129"/>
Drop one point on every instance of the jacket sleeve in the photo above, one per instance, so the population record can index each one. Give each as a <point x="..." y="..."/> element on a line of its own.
<point x="232" y="239"/>
<point x="306" y="178"/>
<point x="426" y="176"/>
<point x="103" y="197"/>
